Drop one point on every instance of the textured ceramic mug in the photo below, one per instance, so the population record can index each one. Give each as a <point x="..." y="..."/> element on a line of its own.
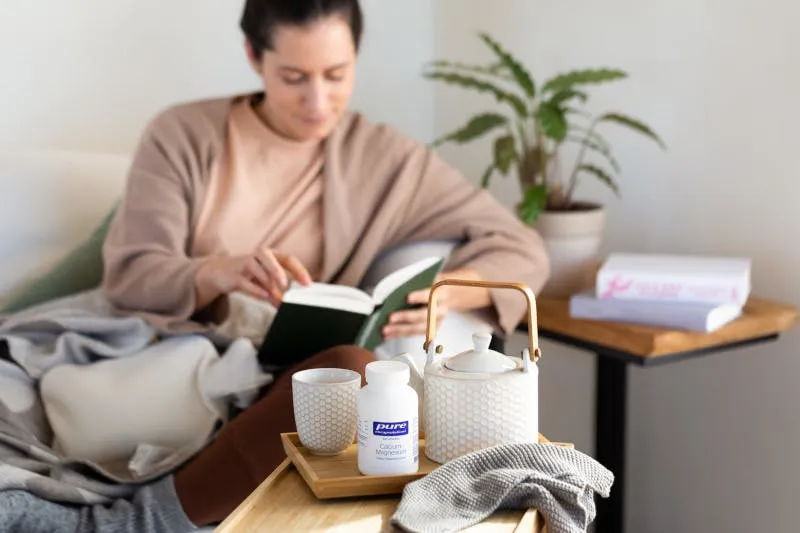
<point x="325" y="411"/>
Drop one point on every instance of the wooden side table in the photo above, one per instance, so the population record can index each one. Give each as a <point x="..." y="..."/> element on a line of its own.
<point x="284" y="503"/>
<point x="617" y="345"/>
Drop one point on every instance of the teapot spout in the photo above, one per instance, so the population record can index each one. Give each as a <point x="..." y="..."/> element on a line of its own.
<point x="416" y="380"/>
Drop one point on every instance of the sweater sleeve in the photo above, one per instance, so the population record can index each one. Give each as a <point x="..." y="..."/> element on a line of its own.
<point x="147" y="268"/>
<point x="494" y="242"/>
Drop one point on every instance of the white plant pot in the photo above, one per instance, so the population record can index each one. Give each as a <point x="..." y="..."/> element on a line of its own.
<point x="572" y="239"/>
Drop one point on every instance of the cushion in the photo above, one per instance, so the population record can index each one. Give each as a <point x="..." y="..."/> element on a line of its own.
<point x="152" y="407"/>
<point x="81" y="269"/>
<point x="106" y="410"/>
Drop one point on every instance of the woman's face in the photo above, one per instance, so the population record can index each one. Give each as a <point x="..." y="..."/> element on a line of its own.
<point x="308" y="77"/>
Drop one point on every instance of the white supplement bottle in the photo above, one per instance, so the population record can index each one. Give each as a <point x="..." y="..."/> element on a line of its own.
<point x="388" y="429"/>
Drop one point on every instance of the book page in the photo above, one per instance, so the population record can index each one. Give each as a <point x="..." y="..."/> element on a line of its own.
<point x="330" y="296"/>
<point x="397" y="288"/>
<point x="397" y="278"/>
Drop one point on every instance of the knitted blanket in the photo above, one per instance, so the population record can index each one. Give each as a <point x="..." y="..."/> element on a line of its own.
<point x="560" y="482"/>
<point x="80" y="330"/>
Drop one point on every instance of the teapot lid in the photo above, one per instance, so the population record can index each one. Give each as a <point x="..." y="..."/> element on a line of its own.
<point x="481" y="358"/>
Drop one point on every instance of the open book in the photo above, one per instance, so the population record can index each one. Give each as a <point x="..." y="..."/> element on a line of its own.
<point x="313" y="318"/>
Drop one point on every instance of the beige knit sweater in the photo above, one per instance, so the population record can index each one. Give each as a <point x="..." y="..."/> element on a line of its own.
<point x="381" y="189"/>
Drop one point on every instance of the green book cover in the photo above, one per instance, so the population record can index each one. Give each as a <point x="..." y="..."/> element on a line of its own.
<point x="320" y="316"/>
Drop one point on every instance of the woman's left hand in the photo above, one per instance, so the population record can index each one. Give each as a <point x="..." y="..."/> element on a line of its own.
<point x="448" y="298"/>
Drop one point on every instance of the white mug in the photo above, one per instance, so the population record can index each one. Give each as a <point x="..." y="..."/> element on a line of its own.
<point x="325" y="409"/>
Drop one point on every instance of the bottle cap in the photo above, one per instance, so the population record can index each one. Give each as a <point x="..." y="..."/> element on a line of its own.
<point x="384" y="373"/>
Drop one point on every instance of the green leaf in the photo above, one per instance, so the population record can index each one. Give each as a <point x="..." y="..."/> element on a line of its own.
<point x="487" y="176"/>
<point x="533" y="203"/>
<point x="599" y="148"/>
<point x="499" y="69"/>
<point x="505" y="153"/>
<point x="470" y="82"/>
<point x="566" y="95"/>
<point x="632" y="124"/>
<point x="553" y="121"/>
<point x="492" y="70"/>
<point x="522" y="76"/>
<point x="582" y="77"/>
<point x="477" y="126"/>
<point x="576" y="111"/>
<point x="593" y="135"/>
<point x="602" y="175"/>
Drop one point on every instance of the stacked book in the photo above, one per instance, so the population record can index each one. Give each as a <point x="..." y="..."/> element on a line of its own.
<point x="696" y="293"/>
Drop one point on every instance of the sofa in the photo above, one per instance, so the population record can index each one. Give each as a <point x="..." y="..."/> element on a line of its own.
<point x="53" y="201"/>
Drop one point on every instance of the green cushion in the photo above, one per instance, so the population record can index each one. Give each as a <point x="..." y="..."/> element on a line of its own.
<point x="81" y="269"/>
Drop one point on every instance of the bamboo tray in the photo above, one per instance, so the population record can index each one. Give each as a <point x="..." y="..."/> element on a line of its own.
<point x="338" y="476"/>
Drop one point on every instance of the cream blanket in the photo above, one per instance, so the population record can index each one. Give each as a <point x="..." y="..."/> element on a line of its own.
<point x="113" y="379"/>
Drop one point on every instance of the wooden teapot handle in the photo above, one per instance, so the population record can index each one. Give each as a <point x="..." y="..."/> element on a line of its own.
<point x="533" y="334"/>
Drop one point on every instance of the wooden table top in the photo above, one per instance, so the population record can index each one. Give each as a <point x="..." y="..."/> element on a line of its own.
<point x="760" y="318"/>
<point x="284" y="503"/>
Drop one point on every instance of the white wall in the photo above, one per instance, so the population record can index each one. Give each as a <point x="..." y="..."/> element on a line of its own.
<point x="712" y="441"/>
<point x="81" y="74"/>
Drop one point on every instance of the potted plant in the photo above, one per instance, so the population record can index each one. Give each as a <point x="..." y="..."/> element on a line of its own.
<point x="539" y="123"/>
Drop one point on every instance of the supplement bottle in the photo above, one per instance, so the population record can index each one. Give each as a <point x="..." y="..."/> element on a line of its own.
<point x="388" y="429"/>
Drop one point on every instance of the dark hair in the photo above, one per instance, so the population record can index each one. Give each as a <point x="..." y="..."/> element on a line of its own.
<point x="261" y="18"/>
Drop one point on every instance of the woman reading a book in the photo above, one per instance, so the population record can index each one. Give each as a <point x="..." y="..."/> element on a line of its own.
<point x="247" y="193"/>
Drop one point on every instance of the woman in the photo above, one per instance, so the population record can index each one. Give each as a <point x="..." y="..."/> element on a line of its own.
<point x="249" y="192"/>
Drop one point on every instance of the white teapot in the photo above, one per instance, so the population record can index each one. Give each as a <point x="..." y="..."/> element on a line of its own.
<point x="478" y="398"/>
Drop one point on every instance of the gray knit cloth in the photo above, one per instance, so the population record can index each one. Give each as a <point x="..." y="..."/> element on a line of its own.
<point x="558" y="481"/>
<point x="154" y="508"/>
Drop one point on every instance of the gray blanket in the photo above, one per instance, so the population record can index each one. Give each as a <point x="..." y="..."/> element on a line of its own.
<point x="82" y="330"/>
<point x="559" y="482"/>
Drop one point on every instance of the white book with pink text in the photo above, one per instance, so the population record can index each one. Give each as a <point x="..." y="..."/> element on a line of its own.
<point x="719" y="280"/>
<point x="692" y="316"/>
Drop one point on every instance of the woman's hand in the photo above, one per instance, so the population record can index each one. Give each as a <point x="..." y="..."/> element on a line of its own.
<point x="448" y="298"/>
<point x="414" y="321"/>
<point x="264" y="274"/>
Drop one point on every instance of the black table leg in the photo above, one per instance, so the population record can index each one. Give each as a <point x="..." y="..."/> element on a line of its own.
<point x="611" y="405"/>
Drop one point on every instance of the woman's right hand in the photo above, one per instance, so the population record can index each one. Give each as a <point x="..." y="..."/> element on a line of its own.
<point x="264" y="274"/>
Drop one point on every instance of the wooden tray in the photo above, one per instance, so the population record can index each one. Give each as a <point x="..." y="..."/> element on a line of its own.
<point x="338" y="476"/>
<point x="283" y="503"/>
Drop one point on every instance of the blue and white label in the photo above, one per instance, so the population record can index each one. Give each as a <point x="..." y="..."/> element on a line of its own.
<point x="389" y="447"/>
<point x="389" y="429"/>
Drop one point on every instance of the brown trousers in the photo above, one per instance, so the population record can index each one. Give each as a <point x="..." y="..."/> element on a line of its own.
<point x="249" y="448"/>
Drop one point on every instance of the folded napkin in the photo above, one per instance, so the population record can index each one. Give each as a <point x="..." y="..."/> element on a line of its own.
<point x="558" y="481"/>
